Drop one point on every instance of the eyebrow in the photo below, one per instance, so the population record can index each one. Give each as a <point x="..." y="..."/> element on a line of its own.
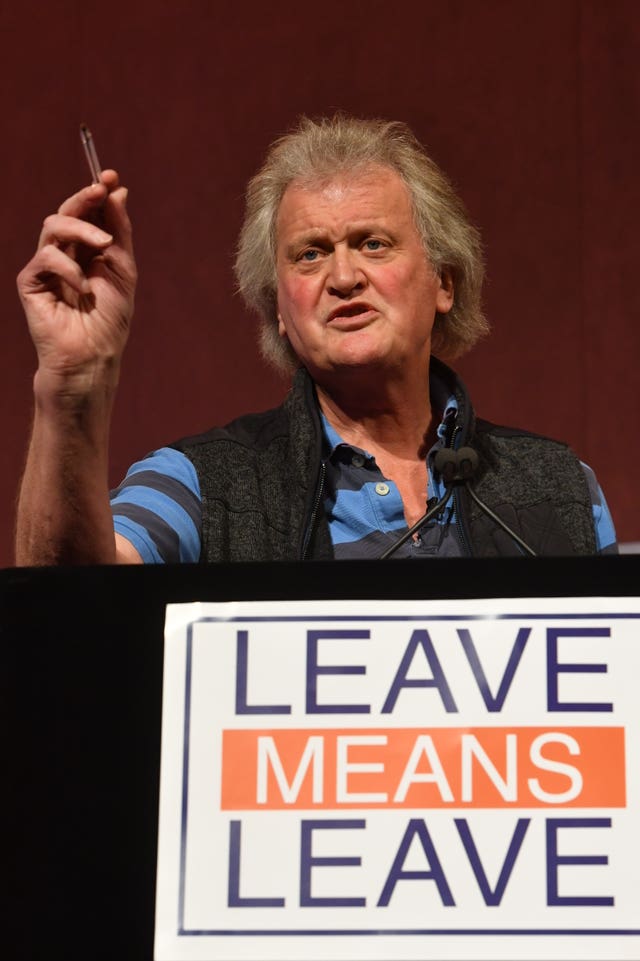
<point x="315" y="234"/>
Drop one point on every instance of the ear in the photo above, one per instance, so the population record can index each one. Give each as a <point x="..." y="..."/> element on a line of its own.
<point x="282" y="330"/>
<point x="444" y="296"/>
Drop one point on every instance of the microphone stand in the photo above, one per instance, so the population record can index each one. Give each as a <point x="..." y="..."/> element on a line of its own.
<point x="457" y="469"/>
<point x="498" y="520"/>
<point x="418" y="524"/>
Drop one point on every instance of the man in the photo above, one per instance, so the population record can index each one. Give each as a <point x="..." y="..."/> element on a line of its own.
<point x="362" y="263"/>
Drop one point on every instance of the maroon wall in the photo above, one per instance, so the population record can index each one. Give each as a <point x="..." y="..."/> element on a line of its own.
<point x="531" y="108"/>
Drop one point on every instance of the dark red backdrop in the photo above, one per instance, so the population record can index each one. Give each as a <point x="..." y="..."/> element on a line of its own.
<point x="531" y="108"/>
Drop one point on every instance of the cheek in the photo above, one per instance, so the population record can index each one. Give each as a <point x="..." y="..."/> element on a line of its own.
<point x="412" y="286"/>
<point x="296" y="295"/>
<point x="396" y="284"/>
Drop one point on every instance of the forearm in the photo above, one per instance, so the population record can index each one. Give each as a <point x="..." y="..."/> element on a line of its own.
<point x="77" y="292"/>
<point x="63" y="508"/>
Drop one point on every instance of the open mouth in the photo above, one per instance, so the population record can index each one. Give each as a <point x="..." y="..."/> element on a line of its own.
<point x="348" y="311"/>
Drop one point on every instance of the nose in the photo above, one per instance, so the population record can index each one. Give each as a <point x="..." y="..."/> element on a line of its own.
<point x="345" y="275"/>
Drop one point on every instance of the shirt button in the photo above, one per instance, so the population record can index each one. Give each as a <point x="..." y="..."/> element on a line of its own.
<point x="357" y="460"/>
<point x="382" y="489"/>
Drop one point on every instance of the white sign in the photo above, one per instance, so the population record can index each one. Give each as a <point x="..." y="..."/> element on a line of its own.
<point x="400" y="780"/>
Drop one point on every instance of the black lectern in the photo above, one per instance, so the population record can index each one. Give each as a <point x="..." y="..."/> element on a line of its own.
<point x="82" y="654"/>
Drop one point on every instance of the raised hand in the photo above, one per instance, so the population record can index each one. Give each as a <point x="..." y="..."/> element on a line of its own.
<point x="77" y="292"/>
<point x="78" y="289"/>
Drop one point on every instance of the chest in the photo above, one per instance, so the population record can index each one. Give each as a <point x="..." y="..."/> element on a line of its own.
<point x="411" y="481"/>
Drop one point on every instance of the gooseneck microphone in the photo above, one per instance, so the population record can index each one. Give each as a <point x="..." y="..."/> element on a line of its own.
<point x="457" y="469"/>
<point x="446" y="463"/>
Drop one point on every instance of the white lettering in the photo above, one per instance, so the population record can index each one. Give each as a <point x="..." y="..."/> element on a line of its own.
<point x="344" y="767"/>
<point x="508" y="786"/>
<point x="557" y="767"/>
<point x="312" y="754"/>
<point x="423" y="746"/>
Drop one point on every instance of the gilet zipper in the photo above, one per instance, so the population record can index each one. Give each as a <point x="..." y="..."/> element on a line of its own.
<point x="314" y="511"/>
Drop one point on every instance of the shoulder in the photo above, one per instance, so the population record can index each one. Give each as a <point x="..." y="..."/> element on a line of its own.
<point x="502" y="445"/>
<point x="502" y="431"/>
<point x="165" y="462"/>
<point x="249" y="430"/>
<point x="257" y="431"/>
<point x="157" y="507"/>
<point x="531" y="467"/>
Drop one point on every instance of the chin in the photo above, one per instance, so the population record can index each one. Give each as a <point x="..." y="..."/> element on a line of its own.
<point x="357" y="369"/>
<point x="360" y="352"/>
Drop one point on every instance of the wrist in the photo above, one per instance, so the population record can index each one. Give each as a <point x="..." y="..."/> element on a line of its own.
<point x="79" y="389"/>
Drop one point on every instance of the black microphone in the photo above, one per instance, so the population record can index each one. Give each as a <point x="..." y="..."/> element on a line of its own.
<point x="456" y="468"/>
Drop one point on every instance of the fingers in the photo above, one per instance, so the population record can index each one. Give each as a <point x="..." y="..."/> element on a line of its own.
<point x="61" y="229"/>
<point x="61" y="240"/>
<point x="105" y="201"/>
<point x="110" y="179"/>
<point x="85" y="201"/>
<point x="45" y="271"/>
<point x="116" y="218"/>
<point x="75" y="251"/>
<point x="89" y="199"/>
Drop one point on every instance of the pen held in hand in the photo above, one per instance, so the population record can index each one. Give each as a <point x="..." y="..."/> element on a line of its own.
<point x="90" y="153"/>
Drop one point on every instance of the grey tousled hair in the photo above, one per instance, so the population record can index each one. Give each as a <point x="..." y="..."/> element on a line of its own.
<point x="317" y="150"/>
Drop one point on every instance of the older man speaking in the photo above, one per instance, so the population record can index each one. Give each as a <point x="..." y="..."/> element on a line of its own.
<point x="363" y="265"/>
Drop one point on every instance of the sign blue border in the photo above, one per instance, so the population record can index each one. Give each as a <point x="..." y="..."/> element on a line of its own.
<point x="360" y="932"/>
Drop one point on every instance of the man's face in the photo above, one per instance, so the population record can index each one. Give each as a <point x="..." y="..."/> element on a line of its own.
<point x="355" y="287"/>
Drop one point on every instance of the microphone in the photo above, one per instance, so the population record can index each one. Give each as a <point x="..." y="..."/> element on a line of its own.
<point x="457" y="468"/>
<point x="447" y="464"/>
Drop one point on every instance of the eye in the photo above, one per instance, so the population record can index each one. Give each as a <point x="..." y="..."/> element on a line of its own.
<point x="308" y="256"/>
<point x="373" y="244"/>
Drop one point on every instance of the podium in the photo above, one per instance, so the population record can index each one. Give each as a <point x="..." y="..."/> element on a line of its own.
<point x="82" y="664"/>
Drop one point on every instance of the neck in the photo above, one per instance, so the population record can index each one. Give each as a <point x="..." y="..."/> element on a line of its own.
<point x="394" y="417"/>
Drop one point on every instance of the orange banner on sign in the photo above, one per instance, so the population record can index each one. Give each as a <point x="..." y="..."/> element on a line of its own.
<point x="485" y="767"/>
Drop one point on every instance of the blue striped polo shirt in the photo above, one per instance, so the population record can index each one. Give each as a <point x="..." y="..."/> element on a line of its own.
<point x="157" y="507"/>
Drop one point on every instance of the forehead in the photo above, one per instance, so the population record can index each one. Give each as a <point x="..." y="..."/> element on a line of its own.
<point x="371" y="194"/>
